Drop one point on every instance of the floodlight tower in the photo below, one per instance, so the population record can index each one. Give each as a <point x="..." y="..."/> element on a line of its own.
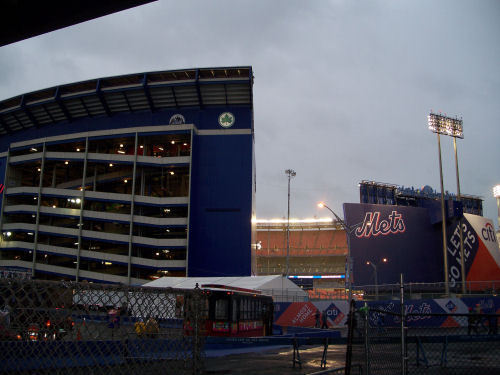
<point x="496" y="194"/>
<point x="291" y="174"/>
<point x="453" y="127"/>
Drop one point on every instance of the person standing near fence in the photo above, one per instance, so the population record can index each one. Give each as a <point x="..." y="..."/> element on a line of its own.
<point x="317" y="316"/>
<point x="324" y="319"/>
<point x="139" y="327"/>
<point x="471" y="322"/>
<point x="381" y="323"/>
<point x="354" y="321"/>
<point x="479" y="318"/>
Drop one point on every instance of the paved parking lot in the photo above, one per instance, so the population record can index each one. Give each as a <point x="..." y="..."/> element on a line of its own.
<point x="276" y="361"/>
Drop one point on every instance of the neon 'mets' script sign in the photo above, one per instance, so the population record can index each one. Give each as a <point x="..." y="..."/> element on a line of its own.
<point x="374" y="226"/>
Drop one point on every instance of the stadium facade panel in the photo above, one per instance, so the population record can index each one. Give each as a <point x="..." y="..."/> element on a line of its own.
<point x="399" y="239"/>
<point x="129" y="178"/>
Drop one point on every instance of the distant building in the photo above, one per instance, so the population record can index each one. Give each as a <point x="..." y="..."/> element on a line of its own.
<point x="382" y="193"/>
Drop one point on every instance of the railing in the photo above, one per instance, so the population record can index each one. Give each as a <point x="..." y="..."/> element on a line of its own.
<point x="393" y="339"/>
<point x="426" y="290"/>
<point x="334" y="250"/>
<point x="326" y="294"/>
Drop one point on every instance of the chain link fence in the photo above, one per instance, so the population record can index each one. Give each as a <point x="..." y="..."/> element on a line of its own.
<point x="387" y="342"/>
<point x="428" y="290"/>
<point x="85" y="328"/>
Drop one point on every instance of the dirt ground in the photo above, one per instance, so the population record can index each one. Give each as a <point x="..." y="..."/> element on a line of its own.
<point x="276" y="361"/>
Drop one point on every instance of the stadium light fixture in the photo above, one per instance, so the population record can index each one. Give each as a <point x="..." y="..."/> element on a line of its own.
<point x="496" y="194"/>
<point x="452" y="126"/>
<point x="496" y="191"/>
<point x="290" y="174"/>
<point x="446" y="125"/>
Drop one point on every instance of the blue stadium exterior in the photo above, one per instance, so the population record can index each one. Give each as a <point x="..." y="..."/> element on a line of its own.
<point x="129" y="178"/>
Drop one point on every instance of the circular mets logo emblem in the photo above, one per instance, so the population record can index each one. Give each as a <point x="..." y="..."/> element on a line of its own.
<point x="177" y="119"/>
<point x="226" y="119"/>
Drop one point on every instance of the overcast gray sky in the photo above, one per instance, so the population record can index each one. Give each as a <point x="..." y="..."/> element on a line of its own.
<point x="342" y="88"/>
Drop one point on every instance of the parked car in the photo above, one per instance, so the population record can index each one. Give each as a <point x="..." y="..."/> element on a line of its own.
<point x="37" y="324"/>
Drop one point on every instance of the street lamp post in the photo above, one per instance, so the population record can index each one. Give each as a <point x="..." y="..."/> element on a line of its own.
<point x="348" y="231"/>
<point x="440" y="124"/>
<point x="375" y="275"/>
<point x="496" y="194"/>
<point x="291" y="174"/>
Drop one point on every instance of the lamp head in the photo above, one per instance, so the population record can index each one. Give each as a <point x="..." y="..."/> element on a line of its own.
<point x="445" y="125"/>
<point x="496" y="191"/>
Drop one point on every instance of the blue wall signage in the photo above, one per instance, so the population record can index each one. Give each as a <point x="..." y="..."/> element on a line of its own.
<point x="411" y="242"/>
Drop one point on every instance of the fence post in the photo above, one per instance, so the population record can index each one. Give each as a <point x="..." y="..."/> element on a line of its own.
<point x="196" y="344"/>
<point x="367" y="345"/>
<point x="348" y="357"/>
<point x="403" y="319"/>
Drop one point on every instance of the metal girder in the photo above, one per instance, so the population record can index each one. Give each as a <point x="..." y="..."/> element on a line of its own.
<point x="175" y="98"/>
<point x="124" y="93"/>
<point x="198" y="90"/>
<point x="85" y="107"/>
<point x="48" y="113"/>
<point x="147" y="92"/>
<point x="5" y="126"/>
<point x="61" y="105"/>
<point x="19" y="122"/>
<point x="102" y="99"/>
<point x="28" y="113"/>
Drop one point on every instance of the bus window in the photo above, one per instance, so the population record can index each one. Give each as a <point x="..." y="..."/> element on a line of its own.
<point x="235" y="311"/>
<point x="221" y="309"/>
<point x="244" y="309"/>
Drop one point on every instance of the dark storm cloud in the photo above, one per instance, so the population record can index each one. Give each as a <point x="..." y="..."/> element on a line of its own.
<point x="342" y="88"/>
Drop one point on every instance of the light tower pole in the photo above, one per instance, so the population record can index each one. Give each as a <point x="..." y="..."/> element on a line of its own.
<point x="440" y="124"/>
<point x="459" y="197"/>
<point x="291" y="174"/>
<point x="496" y="194"/>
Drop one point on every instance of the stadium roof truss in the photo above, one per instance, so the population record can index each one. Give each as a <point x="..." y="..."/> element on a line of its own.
<point x="153" y="91"/>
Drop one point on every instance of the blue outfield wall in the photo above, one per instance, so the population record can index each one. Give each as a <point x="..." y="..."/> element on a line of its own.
<point x="444" y="306"/>
<point x="303" y="314"/>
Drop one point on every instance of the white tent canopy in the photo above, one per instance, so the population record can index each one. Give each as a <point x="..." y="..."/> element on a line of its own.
<point x="277" y="286"/>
